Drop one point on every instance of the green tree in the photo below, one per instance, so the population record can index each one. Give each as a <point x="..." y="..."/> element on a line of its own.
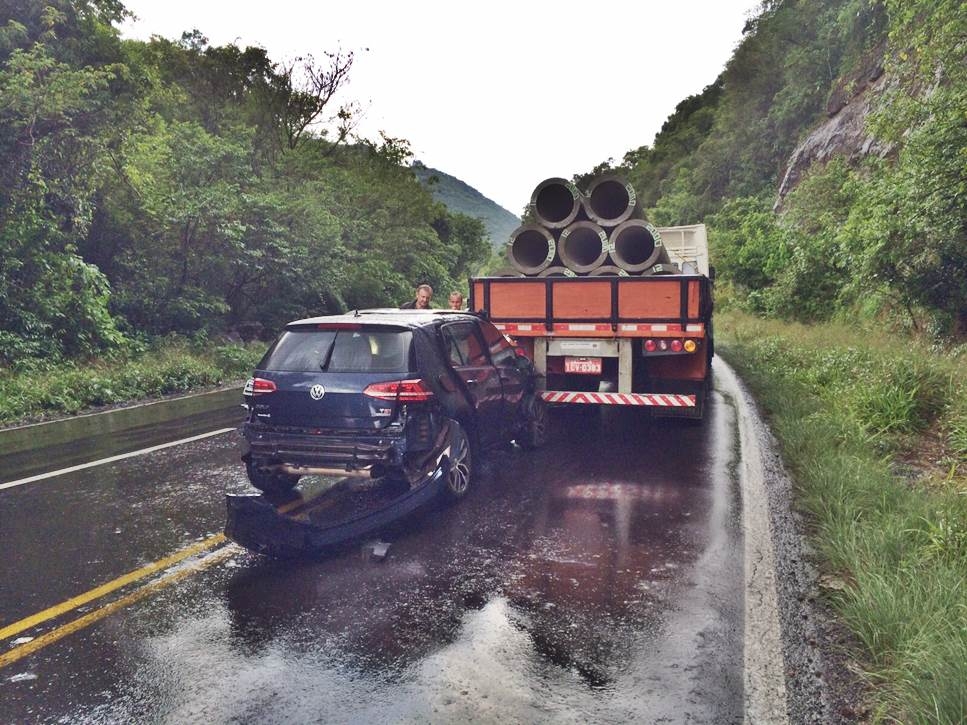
<point x="54" y="145"/>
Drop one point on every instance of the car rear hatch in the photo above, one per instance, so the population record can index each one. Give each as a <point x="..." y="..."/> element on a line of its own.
<point x="334" y="376"/>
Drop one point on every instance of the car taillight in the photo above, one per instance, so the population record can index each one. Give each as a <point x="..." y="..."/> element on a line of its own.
<point x="259" y="386"/>
<point x="676" y="345"/>
<point x="650" y="346"/>
<point x="406" y="391"/>
<point x="690" y="346"/>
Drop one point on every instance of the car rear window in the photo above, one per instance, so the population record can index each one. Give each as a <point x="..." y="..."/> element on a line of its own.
<point x="312" y="350"/>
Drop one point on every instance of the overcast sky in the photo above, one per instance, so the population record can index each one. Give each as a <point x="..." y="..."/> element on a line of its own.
<point x="500" y="94"/>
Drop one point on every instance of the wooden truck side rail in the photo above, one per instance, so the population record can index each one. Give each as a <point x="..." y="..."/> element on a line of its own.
<point x="594" y="306"/>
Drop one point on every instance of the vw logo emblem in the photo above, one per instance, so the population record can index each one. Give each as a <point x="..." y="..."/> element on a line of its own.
<point x="316" y="392"/>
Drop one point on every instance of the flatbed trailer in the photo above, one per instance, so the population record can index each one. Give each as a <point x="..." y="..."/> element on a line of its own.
<point x="610" y="340"/>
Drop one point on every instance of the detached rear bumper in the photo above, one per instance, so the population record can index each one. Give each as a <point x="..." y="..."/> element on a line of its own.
<point x="316" y="527"/>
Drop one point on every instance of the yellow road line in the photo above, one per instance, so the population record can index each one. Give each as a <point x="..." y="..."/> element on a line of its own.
<point x="23" y="650"/>
<point x="75" y="602"/>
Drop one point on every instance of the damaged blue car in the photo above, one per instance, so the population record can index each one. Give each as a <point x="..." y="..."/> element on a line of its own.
<point x="393" y="394"/>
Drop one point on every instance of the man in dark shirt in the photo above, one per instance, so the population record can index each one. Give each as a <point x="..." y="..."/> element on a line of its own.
<point x="424" y="293"/>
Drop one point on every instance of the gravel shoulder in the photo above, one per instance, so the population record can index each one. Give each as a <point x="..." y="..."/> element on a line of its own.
<point x="798" y="654"/>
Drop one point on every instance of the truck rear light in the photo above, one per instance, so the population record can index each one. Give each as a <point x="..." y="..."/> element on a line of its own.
<point x="259" y="386"/>
<point x="406" y="391"/>
<point x="669" y="346"/>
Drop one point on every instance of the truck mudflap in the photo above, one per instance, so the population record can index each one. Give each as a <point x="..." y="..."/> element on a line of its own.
<point x="328" y="522"/>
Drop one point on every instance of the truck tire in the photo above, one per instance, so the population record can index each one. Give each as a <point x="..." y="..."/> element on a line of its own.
<point x="273" y="484"/>
<point x="460" y="466"/>
<point x="534" y="433"/>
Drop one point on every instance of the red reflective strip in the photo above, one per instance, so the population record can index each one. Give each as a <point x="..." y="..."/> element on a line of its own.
<point x="520" y="327"/>
<point x="652" y="399"/>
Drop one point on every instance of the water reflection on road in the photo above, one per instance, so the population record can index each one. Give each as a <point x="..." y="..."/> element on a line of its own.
<point x="598" y="580"/>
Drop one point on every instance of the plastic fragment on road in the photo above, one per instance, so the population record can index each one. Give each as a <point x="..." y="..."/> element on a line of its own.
<point x="378" y="549"/>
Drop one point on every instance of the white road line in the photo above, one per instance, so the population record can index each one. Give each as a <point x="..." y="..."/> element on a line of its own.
<point x="765" y="665"/>
<point x="111" y="459"/>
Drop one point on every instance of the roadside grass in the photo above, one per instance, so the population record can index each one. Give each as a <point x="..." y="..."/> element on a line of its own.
<point x="171" y="366"/>
<point x="874" y="431"/>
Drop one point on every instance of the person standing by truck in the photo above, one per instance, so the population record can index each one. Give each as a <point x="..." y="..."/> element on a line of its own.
<point x="424" y="294"/>
<point x="455" y="300"/>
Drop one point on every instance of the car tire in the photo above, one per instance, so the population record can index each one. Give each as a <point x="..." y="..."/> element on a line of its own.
<point x="460" y="463"/>
<point x="270" y="483"/>
<point x="534" y="433"/>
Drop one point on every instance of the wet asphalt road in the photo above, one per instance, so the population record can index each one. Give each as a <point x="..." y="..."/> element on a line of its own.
<point x="597" y="580"/>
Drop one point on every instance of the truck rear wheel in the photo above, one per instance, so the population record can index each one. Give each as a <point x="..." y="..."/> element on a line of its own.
<point x="534" y="432"/>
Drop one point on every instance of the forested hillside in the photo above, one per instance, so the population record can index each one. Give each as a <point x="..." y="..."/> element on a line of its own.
<point x="458" y="196"/>
<point x="161" y="187"/>
<point x="873" y="216"/>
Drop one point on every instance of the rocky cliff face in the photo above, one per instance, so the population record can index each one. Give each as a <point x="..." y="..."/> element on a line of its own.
<point x="844" y="131"/>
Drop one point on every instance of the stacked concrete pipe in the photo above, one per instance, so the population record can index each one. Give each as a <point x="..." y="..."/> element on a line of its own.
<point x="557" y="272"/>
<point x="583" y="246"/>
<point x="636" y="246"/>
<point x="556" y="203"/>
<point x="597" y="233"/>
<point x="610" y="200"/>
<point x="608" y="270"/>
<point x="531" y="248"/>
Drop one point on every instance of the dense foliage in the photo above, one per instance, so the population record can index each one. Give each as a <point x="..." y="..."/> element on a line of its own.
<point x="867" y="233"/>
<point x="175" y="187"/>
<point x="169" y="366"/>
<point x="892" y="529"/>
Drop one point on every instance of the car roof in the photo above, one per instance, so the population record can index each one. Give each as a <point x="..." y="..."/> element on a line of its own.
<point x="387" y="316"/>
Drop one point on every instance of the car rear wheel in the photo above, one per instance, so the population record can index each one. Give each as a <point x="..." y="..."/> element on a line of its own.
<point x="460" y="468"/>
<point x="534" y="434"/>
<point x="270" y="482"/>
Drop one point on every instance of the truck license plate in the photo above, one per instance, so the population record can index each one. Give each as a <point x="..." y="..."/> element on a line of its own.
<point x="583" y="365"/>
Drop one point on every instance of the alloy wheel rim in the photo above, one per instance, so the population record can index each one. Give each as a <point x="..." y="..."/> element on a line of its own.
<point x="459" y="465"/>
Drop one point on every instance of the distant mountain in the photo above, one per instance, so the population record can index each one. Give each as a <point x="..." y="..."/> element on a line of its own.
<point x="463" y="198"/>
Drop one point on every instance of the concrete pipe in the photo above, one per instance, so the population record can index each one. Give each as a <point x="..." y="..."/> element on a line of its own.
<point x="583" y="246"/>
<point x="665" y="268"/>
<point x="557" y="272"/>
<point x="636" y="245"/>
<point x="531" y="248"/>
<point x="556" y="203"/>
<point x="610" y="200"/>
<point x="608" y="270"/>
